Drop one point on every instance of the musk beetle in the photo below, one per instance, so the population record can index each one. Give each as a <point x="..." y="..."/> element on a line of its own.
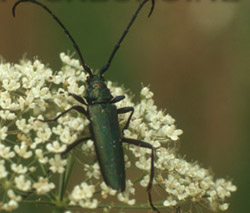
<point x="103" y="115"/>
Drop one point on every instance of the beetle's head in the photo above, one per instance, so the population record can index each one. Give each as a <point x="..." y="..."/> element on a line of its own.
<point x="97" y="91"/>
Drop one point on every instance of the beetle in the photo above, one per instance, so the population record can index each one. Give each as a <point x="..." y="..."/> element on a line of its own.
<point x="103" y="115"/>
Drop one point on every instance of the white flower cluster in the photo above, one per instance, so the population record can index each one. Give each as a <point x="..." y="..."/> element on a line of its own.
<point x="82" y="195"/>
<point x="30" y="150"/>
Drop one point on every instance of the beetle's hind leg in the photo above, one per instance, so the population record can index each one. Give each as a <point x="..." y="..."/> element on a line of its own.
<point x="74" y="144"/>
<point x="80" y="109"/>
<point x="150" y="183"/>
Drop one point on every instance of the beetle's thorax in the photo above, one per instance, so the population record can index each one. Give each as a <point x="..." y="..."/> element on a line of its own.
<point x="97" y="91"/>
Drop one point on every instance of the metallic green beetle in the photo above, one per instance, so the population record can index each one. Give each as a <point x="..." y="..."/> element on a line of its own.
<point x="103" y="116"/>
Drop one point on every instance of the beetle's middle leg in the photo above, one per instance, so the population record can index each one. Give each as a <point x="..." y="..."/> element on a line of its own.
<point x="126" y="110"/>
<point x="150" y="183"/>
<point x="80" y="109"/>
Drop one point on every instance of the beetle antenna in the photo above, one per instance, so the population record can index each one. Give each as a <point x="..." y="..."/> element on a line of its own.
<point x="106" y="66"/>
<point x="85" y="67"/>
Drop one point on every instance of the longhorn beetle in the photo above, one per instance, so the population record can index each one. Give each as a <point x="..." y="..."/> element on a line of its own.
<point x="103" y="115"/>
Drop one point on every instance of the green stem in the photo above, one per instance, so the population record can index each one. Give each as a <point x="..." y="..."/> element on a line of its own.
<point x="64" y="178"/>
<point x="61" y="186"/>
<point x="43" y="169"/>
<point x="68" y="170"/>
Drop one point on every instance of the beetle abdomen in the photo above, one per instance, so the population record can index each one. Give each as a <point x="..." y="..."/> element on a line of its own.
<point x="107" y="137"/>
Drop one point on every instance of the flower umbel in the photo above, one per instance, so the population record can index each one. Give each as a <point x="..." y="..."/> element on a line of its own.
<point x="31" y="160"/>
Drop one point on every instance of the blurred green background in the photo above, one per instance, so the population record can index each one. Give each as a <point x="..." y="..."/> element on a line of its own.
<point x="193" y="54"/>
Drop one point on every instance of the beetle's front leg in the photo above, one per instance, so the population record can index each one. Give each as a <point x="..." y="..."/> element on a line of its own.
<point x="149" y="146"/>
<point x="117" y="99"/>
<point x="126" y="110"/>
<point x="78" y="98"/>
<point x="80" y="109"/>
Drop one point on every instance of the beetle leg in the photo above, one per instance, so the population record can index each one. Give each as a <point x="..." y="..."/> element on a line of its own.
<point x="77" y="108"/>
<point x="117" y="99"/>
<point x="125" y="110"/>
<point x="78" y="98"/>
<point x="73" y="145"/>
<point x="149" y="146"/>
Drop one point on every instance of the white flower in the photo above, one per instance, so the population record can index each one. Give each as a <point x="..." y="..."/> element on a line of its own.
<point x="19" y="169"/>
<point x="56" y="147"/>
<point x="170" y="202"/>
<point x="32" y="169"/>
<point x="146" y="93"/>
<point x="92" y="170"/>
<point x="22" y="184"/>
<point x="106" y="190"/>
<point x="78" y="124"/>
<point x="82" y="195"/>
<point x="3" y="132"/>
<point x="10" y="85"/>
<point x="10" y="206"/>
<point x="68" y="60"/>
<point x="224" y="206"/>
<point x="43" y="186"/>
<point x="82" y="192"/>
<point x="65" y="58"/>
<point x="7" y="115"/>
<point x="3" y="172"/>
<point x="88" y="146"/>
<point x="171" y="132"/>
<point x="13" y="196"/>
<point x="5" y="100"/>
<point x="23" y="126"/>
<point x="5" y="152"/>
<point x="57" y="164"/>
<point x="73" y="88"/>
<point x="124" y="196"/>
<point x="44" y="134"/>
<point x="67" y="137"/>
<point x="144" y="182"/>
<point x="22" y="150"/>
<point x="143" y="163"/>
<point x="42" y="159"/>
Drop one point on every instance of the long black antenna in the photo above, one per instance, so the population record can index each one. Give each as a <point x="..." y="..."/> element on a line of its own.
<point x="85" y="67"/>
<point x="106" y="66"/>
